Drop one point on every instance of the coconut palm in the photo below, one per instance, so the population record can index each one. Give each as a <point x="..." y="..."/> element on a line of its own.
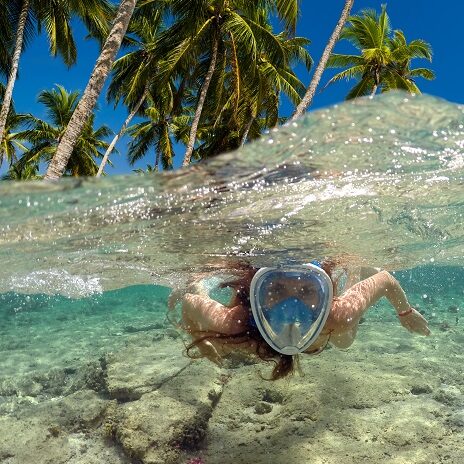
<point x="29" y="17"/>
<point x="206" y="31"/>
<point x="91" y="93"/>
<point x="44" y="136"/>
<point x="399" y="74"/>
<point x="150" y="169"/>
<point x="21" y="171"/>
<point x="309" y="95"/>
<point x="165" y="122"/>
<point x="12" y="145"/>
<point x="135" y="72"/>
<point x="229" y="121"/>
<point x="271" y="81"/>
<point x="384" y="61"/>
<point x="155" y="133"/>
<point x="6" y="35"/>
<point x="287" y="10"/>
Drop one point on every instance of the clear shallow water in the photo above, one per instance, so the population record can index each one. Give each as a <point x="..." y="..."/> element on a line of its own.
<point x="40" y="332"/>
<point x="378" y="182"/>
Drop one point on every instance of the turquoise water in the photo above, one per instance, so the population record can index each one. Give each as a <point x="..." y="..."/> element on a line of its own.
<point x="40" y="332"/>
<point x="91" y="370"/>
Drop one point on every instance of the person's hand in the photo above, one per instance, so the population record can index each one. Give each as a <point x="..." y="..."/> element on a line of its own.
<point x="413" y="321"/>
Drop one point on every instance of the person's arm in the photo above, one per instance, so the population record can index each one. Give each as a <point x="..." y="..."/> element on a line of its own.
<point x="204" y="317"/>
<point x="203" y="314"/>
<point x="348" y="309"/>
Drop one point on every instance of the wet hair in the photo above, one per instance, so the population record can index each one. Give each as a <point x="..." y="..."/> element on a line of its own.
<point x="284" y="365"/>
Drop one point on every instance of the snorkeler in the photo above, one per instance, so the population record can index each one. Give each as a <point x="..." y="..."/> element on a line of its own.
<point x="279" y="312"/>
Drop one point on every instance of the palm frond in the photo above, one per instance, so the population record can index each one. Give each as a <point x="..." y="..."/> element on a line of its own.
<point x="420" y="49"/>
<point x="289" y="11"/>
<point x="355" y="72"/>
<point x="295" y="49"/>
<point x="56" y="22"/>
<point x="269" y="43"/>
<point x="341" y="61"/>
<point x="422" y="72"/>
<point x="395" y="81"/>
<point x="243" y="33"/>
<point x="362" y="88"/>
<point x="384" y="26"/>
<point x="97" y="16"/>
<point x="184" y="51"/>
<point x="164" y="146"/>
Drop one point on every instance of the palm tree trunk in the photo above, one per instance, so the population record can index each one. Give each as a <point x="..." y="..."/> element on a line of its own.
<point x="201" y="102"/>
<point x="309" y="95"/>
<point x="14" y="68"/>
<point x="120" y="133"/>
<point x="376" y="82"/>
<point x="92" y="91"/>
<point x="157" y="159"/>
<point x="247" y="130"/>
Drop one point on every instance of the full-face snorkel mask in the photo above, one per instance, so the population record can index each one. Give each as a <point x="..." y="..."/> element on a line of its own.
<point x="290" y="305"/>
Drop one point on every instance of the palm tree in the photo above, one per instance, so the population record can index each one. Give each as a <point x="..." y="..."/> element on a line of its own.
<point x="287" y="10"/>
<point x="384" y="61"/>
<point x="55" y="18"/>
<point x="165" y="121"/>
<point x="229" y="121"/>
<point x="206" y="30"/>
<point x="271" y="81"/>
<point x="399" y="74"/>
<point x="134" y="73"/>
<point x="6" y="35"/>
<point x="12" y="144"/>
<point x="149" y="170"/>
<point x="91" y="93"/>
<point x="19" y="171"/>
<point x="309" y="95"/>
<point x="44" y="137"/>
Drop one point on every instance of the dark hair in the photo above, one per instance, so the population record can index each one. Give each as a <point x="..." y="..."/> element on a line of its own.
<point x="284" y="364"/>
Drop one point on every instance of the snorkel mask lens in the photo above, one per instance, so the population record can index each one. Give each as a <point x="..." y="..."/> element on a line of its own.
<point x="290" y="305"/>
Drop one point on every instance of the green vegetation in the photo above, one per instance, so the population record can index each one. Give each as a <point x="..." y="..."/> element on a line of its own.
<point x="208" y="74"/>
<point x="22" y="19"/>
<point x="384" y="61"/>
<point x="43" y="137"/>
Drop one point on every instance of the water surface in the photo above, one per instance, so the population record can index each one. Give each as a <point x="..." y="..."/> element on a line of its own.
<point x="86" y="267"/>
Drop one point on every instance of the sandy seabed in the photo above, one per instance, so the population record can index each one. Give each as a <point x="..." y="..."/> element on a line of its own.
<point x="390" y="398"/>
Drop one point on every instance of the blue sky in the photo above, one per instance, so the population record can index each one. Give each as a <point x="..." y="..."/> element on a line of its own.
<point x="439" y="24"/>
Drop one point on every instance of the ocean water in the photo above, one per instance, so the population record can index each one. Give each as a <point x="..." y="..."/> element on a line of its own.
<point x="92" y="370"/>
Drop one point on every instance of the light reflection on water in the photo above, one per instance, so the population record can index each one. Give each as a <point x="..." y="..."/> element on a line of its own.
<point x="378" y="181"/>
